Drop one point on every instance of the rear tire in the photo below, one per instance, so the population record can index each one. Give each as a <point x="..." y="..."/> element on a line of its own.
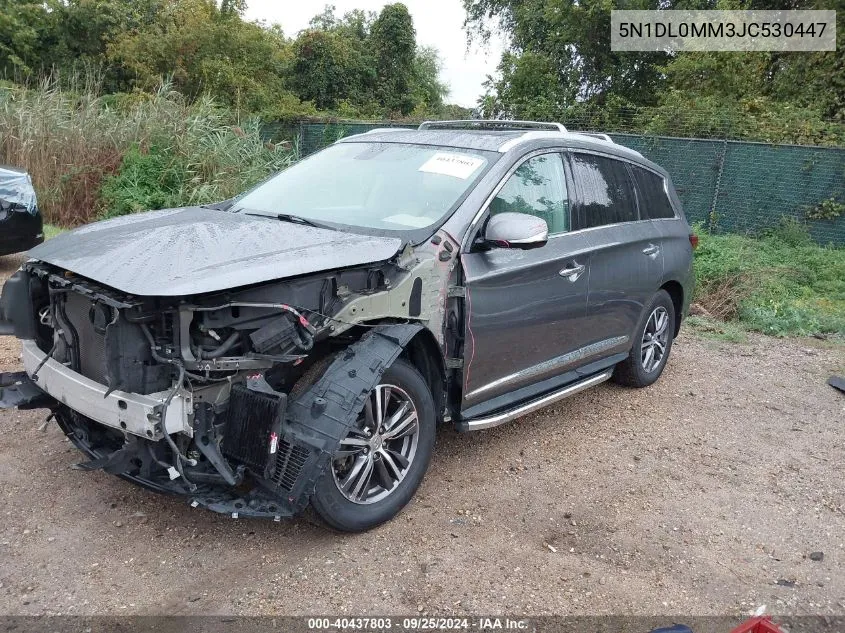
<point x="652" y="344"/>
<point x="380" y="465"/>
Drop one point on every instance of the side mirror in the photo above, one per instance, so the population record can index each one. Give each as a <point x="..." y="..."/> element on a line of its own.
<point x="516" y="230"/>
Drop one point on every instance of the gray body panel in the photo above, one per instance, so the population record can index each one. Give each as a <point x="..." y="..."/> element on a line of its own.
<point x="623" y="278"/>
<point x="530" y="328"/>
<point x="194" y="250"/>
<point x="497" y="327"/>
<point x="677" y="256"/>
<point x="525" y="319"/>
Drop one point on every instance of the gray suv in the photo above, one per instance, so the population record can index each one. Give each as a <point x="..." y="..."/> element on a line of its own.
<point x="301" y="343"/>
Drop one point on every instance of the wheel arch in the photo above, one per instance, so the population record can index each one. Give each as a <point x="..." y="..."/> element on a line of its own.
<point x="676" y="293"/>
<point x="424" y="353"/>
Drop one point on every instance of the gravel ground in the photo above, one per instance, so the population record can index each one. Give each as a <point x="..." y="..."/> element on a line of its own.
<point x="704" y="494"/>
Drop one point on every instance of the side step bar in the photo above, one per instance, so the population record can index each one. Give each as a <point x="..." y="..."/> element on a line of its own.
<point x="496" y="419"/>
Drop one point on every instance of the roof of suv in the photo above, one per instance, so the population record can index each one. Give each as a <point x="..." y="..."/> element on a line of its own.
<point x="500" y="140"/>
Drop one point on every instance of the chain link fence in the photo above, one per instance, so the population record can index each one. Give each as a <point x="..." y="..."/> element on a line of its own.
<point x="727" y="185"/>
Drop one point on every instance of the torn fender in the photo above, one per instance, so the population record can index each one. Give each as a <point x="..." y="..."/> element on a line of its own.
<point x="318" y="420"/>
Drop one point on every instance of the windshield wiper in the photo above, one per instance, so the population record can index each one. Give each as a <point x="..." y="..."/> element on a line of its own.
<point x="223" y="205"/>
<point x="288" y="217"/>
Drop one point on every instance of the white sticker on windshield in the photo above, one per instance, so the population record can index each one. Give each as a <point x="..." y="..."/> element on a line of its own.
<point x="456" y="165"/>
<point x="406" y="219"/>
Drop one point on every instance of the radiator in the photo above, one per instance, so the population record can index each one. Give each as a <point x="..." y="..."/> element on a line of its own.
<point x="92" y="346"/>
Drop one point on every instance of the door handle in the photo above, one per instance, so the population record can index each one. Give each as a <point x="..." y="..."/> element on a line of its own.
<point x="651" y="250"/>
<point x="573" y="271"/>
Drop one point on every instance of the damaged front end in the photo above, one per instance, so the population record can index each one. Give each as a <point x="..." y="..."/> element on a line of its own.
<point x="237" y="399"/>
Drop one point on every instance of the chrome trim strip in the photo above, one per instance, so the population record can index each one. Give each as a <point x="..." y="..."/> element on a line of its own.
<point x="500" y="418"/>
<point x="541" y="368"/>
<point x="130" y="412"/>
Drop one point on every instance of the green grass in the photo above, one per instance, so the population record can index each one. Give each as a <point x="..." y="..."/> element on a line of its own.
<point x="780" y="284"/>
<point x="727" y="331"/>
<point x="51" y="231"/>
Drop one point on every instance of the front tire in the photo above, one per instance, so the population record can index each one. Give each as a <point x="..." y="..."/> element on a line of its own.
<point x="652" y="344"/>
<point x="383" y="459"/>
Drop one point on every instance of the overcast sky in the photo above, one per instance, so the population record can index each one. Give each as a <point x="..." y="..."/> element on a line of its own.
<point x="439" y="23"/>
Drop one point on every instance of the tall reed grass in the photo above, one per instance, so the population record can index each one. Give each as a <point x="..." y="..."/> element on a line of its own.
<point x="83" y="149"/>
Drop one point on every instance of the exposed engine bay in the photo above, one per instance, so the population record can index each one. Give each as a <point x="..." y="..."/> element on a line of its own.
<point x="235" y="398"/>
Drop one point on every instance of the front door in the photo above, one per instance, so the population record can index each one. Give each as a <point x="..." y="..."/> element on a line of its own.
<point x="525" y="308"/>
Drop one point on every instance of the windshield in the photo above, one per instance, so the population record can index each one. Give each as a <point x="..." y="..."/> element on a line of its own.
<point x="383" y="186"/>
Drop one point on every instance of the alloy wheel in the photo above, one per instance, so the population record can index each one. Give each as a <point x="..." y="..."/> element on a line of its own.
<point x="377" y="453"/>
<point x="655" y="339"/>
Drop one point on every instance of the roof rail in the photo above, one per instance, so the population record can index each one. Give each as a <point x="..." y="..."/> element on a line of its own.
<point x="491" y="124"/>
<point x="379" y="130"/>
<point x="598" y="135"/>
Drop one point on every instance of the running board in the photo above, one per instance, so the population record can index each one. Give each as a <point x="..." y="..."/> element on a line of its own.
<point x="490" y="421"/>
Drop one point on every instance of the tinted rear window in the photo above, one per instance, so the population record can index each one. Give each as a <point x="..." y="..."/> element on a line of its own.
<point x="654" y="202"/>
<point x="605" y="192"/>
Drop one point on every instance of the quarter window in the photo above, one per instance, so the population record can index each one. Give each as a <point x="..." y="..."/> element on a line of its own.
<point x="606" y="195"/>
<point x="538" y="188"/>
<point x="654" y="202"/>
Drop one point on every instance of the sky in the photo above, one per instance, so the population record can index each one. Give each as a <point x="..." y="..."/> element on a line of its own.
<point x="439" y="23"/>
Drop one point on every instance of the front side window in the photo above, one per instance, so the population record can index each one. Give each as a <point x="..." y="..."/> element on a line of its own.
<point x="654" y="201"/>
<point x="606" y="195"/>
<point x="538" y="188"/>
<point x="382" y="186"/>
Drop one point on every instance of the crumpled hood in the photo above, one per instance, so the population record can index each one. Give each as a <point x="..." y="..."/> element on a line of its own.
<point x="194" y="250"/>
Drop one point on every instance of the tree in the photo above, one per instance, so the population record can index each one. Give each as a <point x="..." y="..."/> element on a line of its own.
<point x="566" y="42"/>
<point x="528" y="86"/>
<point x="393" y="41"/>
<point x="19" y="36"/>
<point x="232" y="7"/>
<point x="328" y="68"/>
<point x="206" y="51"/>
<point x="559" y="66"/>
<point x="360" y="64"/>
<point x="428" y="91"/>
<point x="325" y="21"/>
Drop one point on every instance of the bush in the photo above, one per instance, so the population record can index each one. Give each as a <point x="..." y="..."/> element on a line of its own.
<point x="92" y="157"/>
<point x="204" y="161"/>
<point x="148" y="179"/>
<point x="779" y="284"/>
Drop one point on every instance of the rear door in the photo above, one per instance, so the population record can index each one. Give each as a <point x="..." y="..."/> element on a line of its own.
<point x="526" y="308"/>
<point x="669" y="224"/>
<point x="626" y="261"/>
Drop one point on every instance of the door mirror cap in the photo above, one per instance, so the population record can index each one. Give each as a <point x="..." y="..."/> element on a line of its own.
<point x="516" y="230"/>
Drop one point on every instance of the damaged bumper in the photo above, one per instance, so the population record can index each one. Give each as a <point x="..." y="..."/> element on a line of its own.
<point x="133" y="413"/>
<point x="256" y="456"/>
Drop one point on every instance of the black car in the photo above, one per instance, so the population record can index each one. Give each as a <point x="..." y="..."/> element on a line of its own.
<point x="302" y="343"/>
<point x="21" y="226"/>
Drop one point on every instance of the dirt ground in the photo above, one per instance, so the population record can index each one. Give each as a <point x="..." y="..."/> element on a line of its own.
<point x="704" y="494"/>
